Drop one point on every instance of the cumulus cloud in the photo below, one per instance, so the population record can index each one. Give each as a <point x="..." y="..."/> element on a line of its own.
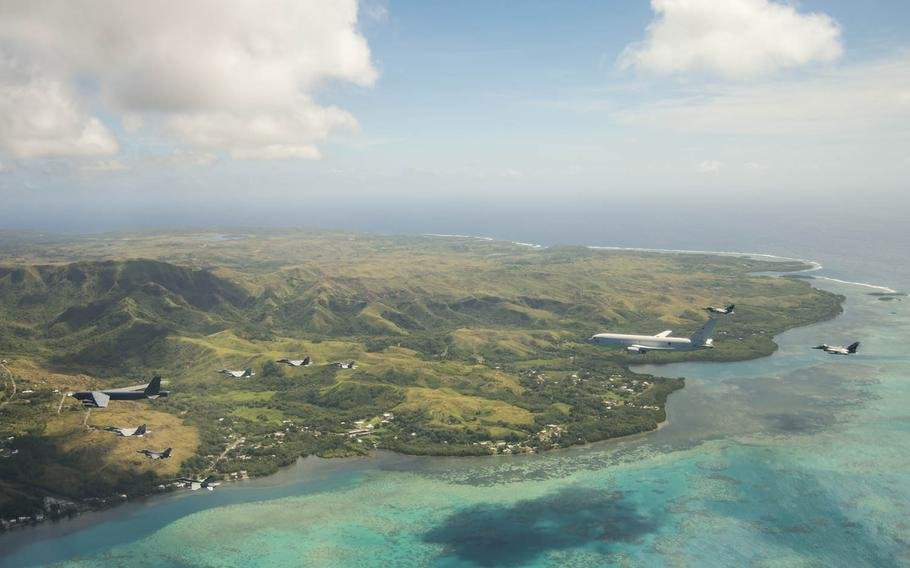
<point x="237" y="76"/>
<point x="735" y="39"/>
<point x="40" y="117"/>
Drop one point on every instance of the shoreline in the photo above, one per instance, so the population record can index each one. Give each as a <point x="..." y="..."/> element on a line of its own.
<point x="813" y="266"/>
<point x="82" y="519"/>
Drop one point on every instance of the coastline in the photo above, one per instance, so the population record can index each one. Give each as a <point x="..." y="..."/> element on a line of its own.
<point x="85" y="507"/>
<point x="813" y="265"/>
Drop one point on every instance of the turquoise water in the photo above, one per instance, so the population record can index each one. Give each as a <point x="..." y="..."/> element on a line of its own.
<point x="799" y="459"/>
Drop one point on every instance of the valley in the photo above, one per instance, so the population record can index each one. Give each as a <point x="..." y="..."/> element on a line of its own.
<point x="462" y="347"/>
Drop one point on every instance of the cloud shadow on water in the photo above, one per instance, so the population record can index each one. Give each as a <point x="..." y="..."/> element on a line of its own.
<point x="490" y="535"/>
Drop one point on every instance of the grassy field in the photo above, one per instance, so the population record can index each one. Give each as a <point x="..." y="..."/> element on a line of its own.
<point x="463" y="347"/>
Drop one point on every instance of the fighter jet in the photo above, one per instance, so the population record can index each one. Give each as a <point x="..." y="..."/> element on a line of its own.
<point x="838" y="349"/>
<point x="237" y="374"/>
<point x="305" y="362"/>
<point x="127" y="432"/>
<point x="153" y="455"/>
<point x="661" y="342"/>
<point x="722" y="311"/>
<point x="99" y="399"/>
<point x="350" y="365"/>
<point x="197" y="484"/>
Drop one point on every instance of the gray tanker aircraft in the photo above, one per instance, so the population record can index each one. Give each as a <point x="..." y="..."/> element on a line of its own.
<point x="99" y="399"/>
<point x="701" y="339"/>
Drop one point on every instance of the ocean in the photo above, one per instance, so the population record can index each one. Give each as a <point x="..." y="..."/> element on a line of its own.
<point x="797" y="459"/>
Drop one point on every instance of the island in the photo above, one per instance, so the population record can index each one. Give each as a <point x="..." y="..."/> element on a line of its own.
<point x="462" y="346"/>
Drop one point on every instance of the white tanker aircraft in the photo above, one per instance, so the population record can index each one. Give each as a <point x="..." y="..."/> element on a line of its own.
<point x="701" y="339"/>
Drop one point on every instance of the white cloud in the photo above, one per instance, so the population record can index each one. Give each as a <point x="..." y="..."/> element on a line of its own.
<point x="732" y="38"/>
<point x="863" y="98"/>
<point x="103" y="166"/>
<point x="183" y="159"/>
<point x="268" y="134"/>
<point x="237" y="75"/>
<point x="132" y="122"/>
<point x="710" y="167"/>
<point x="374" y="11"/>
<point x="39" y="116"/>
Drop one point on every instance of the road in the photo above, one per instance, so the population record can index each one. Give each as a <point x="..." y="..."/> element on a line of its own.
<point x="224" y="454"/>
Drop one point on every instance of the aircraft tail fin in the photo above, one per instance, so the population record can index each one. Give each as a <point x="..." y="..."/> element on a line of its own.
<point x="140" y="431"/>
<point x="853" y="347"/>
<point x="248" y="372"/>
<point x="306" y="360"/>
<point x="154" y="386"/>
<point x="702" y="335"/>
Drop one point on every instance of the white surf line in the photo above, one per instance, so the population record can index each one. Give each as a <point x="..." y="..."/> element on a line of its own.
<point x="864" y="284"/>
<point x="761" y="255"/>
<point x="458" y="236"/>
<point x="814" y="265"/>
<point x="454" y="236"/>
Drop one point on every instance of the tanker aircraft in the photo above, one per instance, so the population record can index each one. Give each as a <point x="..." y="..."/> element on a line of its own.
<point x="663" y="341"/>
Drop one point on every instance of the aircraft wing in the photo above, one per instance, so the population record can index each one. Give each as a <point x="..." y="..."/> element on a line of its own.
<point x="646" y="348"/>
<point x="133" y="388"/>
<point x="664" y="333"/>
<point x="99" y="399"/>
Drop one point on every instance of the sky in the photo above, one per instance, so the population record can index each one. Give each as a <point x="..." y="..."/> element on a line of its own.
<point x="413" y="116"/>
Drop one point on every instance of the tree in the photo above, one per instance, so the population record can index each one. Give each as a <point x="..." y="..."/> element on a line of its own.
<point x="271" y="369"/>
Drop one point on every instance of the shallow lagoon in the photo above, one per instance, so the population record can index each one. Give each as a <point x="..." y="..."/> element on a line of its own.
<point x="799" y="459"/>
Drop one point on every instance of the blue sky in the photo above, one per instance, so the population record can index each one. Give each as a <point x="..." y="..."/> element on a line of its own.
<point x="423" y="104"/>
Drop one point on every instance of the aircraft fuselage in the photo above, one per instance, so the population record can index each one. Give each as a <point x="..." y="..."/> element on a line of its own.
<point x="120" y="395"/>
<point x="651" y="341"/>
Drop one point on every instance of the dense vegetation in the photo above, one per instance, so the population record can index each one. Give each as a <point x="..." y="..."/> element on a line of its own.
<point x="463" y="347"/>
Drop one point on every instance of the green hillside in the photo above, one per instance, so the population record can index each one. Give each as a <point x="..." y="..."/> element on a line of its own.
<point x="463" y="346"/>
